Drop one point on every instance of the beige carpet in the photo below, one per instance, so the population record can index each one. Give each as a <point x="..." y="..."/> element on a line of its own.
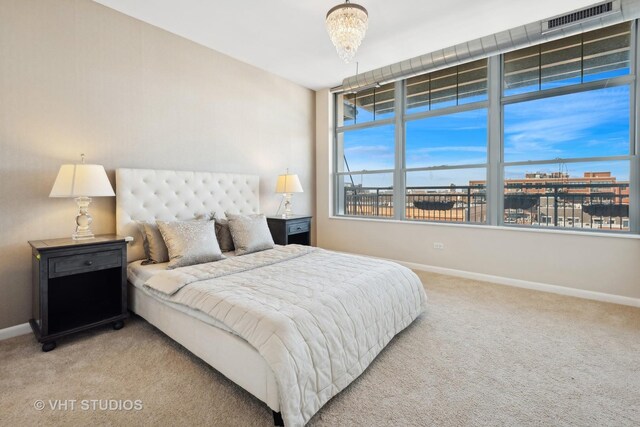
<point x="482" y="354"/>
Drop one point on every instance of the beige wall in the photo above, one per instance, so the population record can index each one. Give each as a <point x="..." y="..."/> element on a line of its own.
<point x="77" y="77"/>
<point x="581" y="261"/>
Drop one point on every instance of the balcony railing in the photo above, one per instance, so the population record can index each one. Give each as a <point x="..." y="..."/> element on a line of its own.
<point x="593" y="205"/>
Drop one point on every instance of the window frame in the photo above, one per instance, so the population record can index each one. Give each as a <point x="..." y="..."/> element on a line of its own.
<point x="338" y="189"/>
<point x="441" y="112"/>
<point x="495" y="165"/>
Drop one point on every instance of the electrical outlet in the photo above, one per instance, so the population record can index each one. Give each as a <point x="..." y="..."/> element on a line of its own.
<point x="438" y="245"/>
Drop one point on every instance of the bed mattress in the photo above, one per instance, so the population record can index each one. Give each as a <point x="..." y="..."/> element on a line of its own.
<point x="138" y="273"/>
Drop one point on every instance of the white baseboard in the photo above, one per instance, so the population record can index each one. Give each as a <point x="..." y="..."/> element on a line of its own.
<point x="499" y="280"/>
<point x="14" y="331"/>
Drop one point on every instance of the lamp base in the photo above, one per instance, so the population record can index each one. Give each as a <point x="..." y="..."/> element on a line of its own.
<point x="83" y="220"/>
<point x="82" y="235"/>
<point x="287" y="206"/>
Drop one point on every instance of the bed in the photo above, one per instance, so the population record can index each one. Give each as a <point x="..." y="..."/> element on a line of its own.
<point x="292" y="325"/>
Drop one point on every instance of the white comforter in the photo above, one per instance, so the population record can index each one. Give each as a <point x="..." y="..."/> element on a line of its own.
<point x="317" y="317"/>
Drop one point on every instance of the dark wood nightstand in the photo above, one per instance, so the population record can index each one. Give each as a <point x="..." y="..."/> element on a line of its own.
<point x="285" y="231"/>
<point x="77" y="285"/>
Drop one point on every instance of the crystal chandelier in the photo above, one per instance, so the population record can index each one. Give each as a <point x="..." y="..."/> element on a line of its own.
<point x="347" y="24"/>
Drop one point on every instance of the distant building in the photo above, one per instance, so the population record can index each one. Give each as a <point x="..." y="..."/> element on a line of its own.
<point x="565" y="201"/>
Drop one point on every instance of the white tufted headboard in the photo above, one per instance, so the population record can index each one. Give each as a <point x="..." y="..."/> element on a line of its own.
<point x="148" y="195"/>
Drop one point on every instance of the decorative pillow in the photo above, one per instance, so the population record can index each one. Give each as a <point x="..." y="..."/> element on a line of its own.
<point x="250" y="233"/>
<point x="154" y="244"/>
<point x="223" y="233"/>
<point x="190" y="242"/>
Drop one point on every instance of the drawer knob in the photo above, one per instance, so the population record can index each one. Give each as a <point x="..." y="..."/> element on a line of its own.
<point x="88" y="262"/>
<point x="299" y="228"/>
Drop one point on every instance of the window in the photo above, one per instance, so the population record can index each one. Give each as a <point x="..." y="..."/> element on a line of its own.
<point x="567" y="117"/>
<point x="369" y="148"/>
<point x="369" y="105"/>
<point x="365" y="152"/>
<point x="367" y="194"/>
<point x="561" y="137"/>
<point x="447" y="195"/>
<point x="597" y="55"/>
<point x="593" y="123"/>
<point x="459" y="85"/>
<point x="451" y="139"/>
<point x="444" y="154"/>
<point x="569" y="195"/>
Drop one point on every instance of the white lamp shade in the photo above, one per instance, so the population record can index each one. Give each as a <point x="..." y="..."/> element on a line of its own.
<point x="288" y="184"/>
<point x="82" y="181"/>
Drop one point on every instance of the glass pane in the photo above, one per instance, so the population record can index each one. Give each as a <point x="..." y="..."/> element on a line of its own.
<point x="444" y="88"/>
<point x="418" y="93"/>
<point x="366" y="195"/>
<point x="590" y="195"/>
<point x="452" y="139"/>
<point x="522" y="71"/>
<point x="561" y="62"/>
<point x="606" y="52"/>
<point x="456" y="195"/>
<point x="596" y="55"/>
<point x="472" y="82"/>
<point x="368" y="149"/>
<point x="453" y="86"/>
<point x="366" y="106"/>
<point x="586" y="124"/>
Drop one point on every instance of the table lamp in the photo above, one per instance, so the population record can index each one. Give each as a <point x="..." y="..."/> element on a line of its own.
<point x="82" y="181"/>
<point x="288" y="184"/>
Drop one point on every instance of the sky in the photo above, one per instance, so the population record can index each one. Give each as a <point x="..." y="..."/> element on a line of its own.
<point x="586" y="124"/>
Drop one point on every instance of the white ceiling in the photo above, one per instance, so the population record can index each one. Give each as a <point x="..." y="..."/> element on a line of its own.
<point x="288" y="37"/>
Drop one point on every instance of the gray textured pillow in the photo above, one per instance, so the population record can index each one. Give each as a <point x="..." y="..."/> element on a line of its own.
<point x="190" y="242"/>
<point x="223" y="233"/>
<point x="154" y="246"/>
<point x="250" y="233"/>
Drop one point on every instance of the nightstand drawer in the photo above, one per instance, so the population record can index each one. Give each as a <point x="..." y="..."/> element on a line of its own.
<point x="298" y="227"/>
<point x="74" y="264"/>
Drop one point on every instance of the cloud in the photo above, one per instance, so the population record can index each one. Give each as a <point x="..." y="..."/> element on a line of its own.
<point x="620" y="142"/>
<point x="567" y="126"/>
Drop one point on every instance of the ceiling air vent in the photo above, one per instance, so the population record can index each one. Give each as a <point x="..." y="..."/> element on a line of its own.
<point x="581" y="15"/>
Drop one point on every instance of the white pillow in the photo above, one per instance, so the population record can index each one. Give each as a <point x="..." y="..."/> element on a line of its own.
<point x="250" y="233"/>
<point x="190" y="242"/>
